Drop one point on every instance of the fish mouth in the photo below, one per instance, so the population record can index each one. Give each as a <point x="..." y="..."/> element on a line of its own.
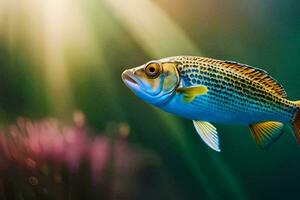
<point x="128" y="79"/>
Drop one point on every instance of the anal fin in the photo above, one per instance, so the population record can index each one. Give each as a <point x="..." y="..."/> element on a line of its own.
<point x="266" y="133"/>
<point x="208" y="134"/>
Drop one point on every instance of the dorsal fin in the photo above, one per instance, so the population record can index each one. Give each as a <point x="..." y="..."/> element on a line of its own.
<point x="257" y="75"/>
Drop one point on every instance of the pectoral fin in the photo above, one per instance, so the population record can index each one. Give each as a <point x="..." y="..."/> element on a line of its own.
<point x="189" y="93"/>
<point x="266" y="133"/>
<point x="208" y="134"/>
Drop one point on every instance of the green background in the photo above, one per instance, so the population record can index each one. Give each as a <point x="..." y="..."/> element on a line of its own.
<point x="96" y="40"/>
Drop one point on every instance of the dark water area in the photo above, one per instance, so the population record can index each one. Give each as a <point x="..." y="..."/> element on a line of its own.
<point x="60" y="69"/>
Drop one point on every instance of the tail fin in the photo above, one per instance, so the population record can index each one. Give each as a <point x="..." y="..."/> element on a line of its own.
<point x="296" y="123"/>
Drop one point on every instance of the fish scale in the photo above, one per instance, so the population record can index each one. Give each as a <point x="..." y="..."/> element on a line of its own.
<point x="231" y="93"/>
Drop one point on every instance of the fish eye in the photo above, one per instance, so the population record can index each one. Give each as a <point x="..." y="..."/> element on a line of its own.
<point x="152" y="70"/>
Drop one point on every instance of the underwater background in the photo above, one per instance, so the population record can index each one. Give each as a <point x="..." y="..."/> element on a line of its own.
<point x="70" y="128"/>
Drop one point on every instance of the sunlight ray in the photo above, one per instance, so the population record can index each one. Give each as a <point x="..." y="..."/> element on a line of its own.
<point x="157" y="34"/>
<point x="52" y="32"/>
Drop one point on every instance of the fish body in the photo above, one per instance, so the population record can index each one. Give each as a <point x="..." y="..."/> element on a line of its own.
<point x="234" y="97"/>
<point x="209" y="91"/>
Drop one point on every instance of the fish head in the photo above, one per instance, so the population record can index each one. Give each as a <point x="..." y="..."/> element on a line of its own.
<point x="154" y="82"/>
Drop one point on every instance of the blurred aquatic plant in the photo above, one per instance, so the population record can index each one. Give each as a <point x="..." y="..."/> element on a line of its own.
<point x="47" y="160"/>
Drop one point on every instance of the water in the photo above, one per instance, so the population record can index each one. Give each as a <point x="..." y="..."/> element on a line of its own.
<point x="71" y="58"/>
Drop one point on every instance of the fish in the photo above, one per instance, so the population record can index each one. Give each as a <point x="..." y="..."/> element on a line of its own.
<point x="208" y="91"/>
